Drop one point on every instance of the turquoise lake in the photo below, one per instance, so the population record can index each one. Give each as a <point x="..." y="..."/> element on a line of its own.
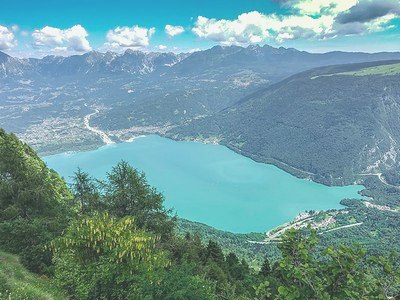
<point x="210" y="183"/>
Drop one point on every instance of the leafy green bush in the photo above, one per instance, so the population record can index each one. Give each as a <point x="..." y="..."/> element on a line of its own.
<point x="101" y="257"/>
<point x="336" y="273"/>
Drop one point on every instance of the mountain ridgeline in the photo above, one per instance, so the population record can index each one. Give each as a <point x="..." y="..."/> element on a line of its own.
<point x="92" y="63"/>
<point x="333" y="124"/>
<point x="268" y="61"/>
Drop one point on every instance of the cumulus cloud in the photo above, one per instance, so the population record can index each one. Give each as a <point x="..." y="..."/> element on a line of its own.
<point x="7" y="38"/>
<point x="367" y="16"/>
<point x="354" y="28"/>
<point x="172" y="31"/>
<point x="255" y="27"/>
<point x="247" y="28"/>
<point x="129" y="37"/>
<point x="71" y="39"/>
<point x="162" y="47"/>
<point x="366" y="11"/>
<point x="317" y="19"/>
<point x="322" y="7"/>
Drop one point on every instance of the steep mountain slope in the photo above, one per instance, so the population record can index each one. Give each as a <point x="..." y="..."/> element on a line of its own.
<point x="272" y="63"/>
<point x="11" y="66"/>
<point x="330" y="123"/>
<point x="211" y="80"/>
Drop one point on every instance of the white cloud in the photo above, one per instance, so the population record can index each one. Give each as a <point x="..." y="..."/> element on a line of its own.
<point x="7" y="38"/>
<point x="129" y="37"/>
<point x="255" y="27"/>
<point x="323" y="7"/>
<point x="72" y="39"/>
<point x="247" y="28"/>
<point x="380" y="24"/>
<point x="60" y="50"/>
<point x="172" y="31"/>
<point x="162" y="47"/>
<point x="308" y="19"/>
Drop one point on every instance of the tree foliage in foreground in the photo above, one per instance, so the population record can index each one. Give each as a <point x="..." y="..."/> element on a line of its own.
<point x="101" y="257"/>
<point x="335" y="273"/>
<point x="124" y="192"/>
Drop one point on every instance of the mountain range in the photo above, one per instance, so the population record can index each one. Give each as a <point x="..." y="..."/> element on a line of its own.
<point x="275" y="63"/>
<point x="246" y="98"/>
<point x="92" y="63"/>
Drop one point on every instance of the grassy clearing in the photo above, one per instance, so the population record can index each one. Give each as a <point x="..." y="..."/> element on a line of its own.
<point x="16" y="283"/>
<point x="386" y="70"/>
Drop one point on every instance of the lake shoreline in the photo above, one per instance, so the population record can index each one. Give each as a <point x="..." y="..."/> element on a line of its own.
<point x="252" y="179"/>
<point x="302" y="174"/>
<point x="295" y="171"/>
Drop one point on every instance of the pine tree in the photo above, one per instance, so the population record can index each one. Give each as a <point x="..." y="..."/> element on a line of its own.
<point x="265" y="267"/>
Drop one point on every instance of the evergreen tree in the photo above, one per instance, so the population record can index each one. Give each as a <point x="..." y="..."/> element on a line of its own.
<point x="214" y="253"/>
<point x="265" y="267"/>
<point x="86" y="193"/>
<point x="127" y="193"/>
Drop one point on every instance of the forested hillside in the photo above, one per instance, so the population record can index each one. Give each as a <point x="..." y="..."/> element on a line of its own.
<point x="113" y="239"/>
<point x="334" y="124"/>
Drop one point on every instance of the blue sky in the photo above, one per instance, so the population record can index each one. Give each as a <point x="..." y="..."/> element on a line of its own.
<point x="37" y="28"/>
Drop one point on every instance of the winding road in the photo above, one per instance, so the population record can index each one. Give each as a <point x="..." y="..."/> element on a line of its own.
<point x="380" y="176"/>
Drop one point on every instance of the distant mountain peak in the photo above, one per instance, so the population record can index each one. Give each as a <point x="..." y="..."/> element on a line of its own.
<point x="254" y="46"/>
<point x="3" y="56"/>
<point x="262" y="60"/>
<point x="133" y="52"/>
<point x="94" y="53"/>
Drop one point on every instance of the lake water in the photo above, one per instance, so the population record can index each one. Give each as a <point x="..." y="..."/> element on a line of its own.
<point x="210" y="183"/>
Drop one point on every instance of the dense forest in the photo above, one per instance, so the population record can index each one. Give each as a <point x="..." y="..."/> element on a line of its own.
<point x="331" y="124"/>
<point x="114" y="239"/>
